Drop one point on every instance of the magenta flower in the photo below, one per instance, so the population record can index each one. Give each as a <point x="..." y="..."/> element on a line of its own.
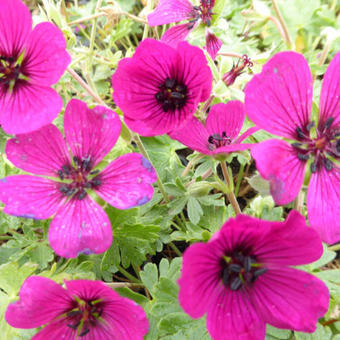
<point x="80" y="225"/>
<point x="242" y="278"/>
<point x="87" y="310"/>
<point x="220" y="134"/>
<point x="159" y="88"/>
<point x="30" y="62"/>
<point x="279" y="100"/>
<point x="168" y="11"/>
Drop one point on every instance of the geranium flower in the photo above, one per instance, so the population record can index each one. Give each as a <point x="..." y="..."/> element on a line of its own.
<point x="159" y="88"/>
<point x="30" y="62"/>
<point x="220" y="134"/>
<point x="168" y="11"/>
<point x="86" y="309"/>
<point x="80" y="225"/>
<point x="279" y="100"/>
<point x="242" y="278"/>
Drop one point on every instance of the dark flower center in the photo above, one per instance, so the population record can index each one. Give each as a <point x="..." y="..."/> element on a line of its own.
<point x="171" y="95"/>
<point x="323" y="148"/>
<point x="10" y="73"/>
<point x="239" y="270"/>
<point x="203" y="12"/>
<point x="85" y="315"/>
<point x="216" y="141"/>
<point x="77" y="177"/>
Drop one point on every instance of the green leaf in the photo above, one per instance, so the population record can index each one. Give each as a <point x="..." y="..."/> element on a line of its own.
<point x="321" y="333"/>
<point x="332" y="275"/>
<point x="149" y="276"/>
<point x="277" y="333"/>
<point x="194" y="210"/>
<point x="135" y="242"/>
<point x="327" y="256"/>
<point x="177" y="205"/>
<point x="130" y="294"/>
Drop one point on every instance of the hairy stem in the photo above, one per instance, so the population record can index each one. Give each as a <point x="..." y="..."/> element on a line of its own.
<point x="230" y="194"/>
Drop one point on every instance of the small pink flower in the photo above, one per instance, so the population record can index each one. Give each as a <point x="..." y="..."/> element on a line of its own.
<point x="169" y="11"/>
<point x="87" y="310"/>
<point x="242" y="278"/>
<point x="220" y="134"/>
<point x="30" y="62"/>
<point x="279" y="100"/>
<point x="160" y="87"/>
<point x="80" y="225"/>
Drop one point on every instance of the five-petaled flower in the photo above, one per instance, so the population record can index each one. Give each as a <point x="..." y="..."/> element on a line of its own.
<point x="168" y="11"/>
<point x="160" y="87"/>
<point x="220" y="134"/>
<point x="242" y="278"/>
<point x="80" y="225"/>
<point x="86" y="309"/>
<point x="30" y="62"/>
<point x="279" y="100"/>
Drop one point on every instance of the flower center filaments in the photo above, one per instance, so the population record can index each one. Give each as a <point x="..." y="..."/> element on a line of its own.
<point x="171" y="95"/>
<point x="85" y="315"/>
<point x="239" y="270"/>
<point x="216" y="140"/>
<point x="203" y="12"/>
<point x="9" y="72"/>
<point x="324" y="149"/>
<point x="78" y="178"/>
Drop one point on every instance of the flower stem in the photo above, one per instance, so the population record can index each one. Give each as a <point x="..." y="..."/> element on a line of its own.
<point x="123" y="284"/>
<point x="175" y="249"/>
<point x="91" y="17"/>
<point x="146" y="155"/>
<point x="288" y="39"/>
<point x="230" y="194"/>
<point x="298" y="202"/>
<point x="128" y="275"/>
<point x="239" y="179"/>
<point x="85" y="86"/>
<point x="335" y="247"/>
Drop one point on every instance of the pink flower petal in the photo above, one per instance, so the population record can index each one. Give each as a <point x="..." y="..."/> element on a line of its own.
<point x="213" y="44"/>
<point x="168" y="11"/>
<point x="323" y="204"/>
<point x="30" y="196"/>
<point x="123" y="318"/>
<point x="194" y="135"/>
<point x="200" y="280"/>
<point x="41" y="300"/>
<point x="292" y="243"/>
<point x="90" y="133"/>
<point x="231" y="148"/>
<point x="330" y="93"/>
<point x="277" y="162"/>
<point x="195" y="71"/>
<point x="126" y="182"/>
<point x="15" y="26"/>
<point x="233" y="314"/>
<point x="246" y="134"/>
<point x="279" y="99"/>
<point x="290" y="298"/>
<point x="177" y="33"/>
<point x="42" y="152"/>
<point x="226" y="118"/>
<point x="45" y="57"/>
<point x="58" y="329"/>
<point x="29" y="108"/>
<point x="80" y="226"/>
